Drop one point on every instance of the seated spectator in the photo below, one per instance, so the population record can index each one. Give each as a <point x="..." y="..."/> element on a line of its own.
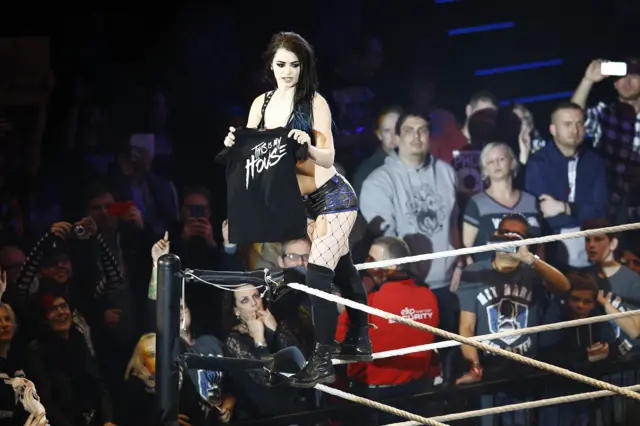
<point x="620" y="290"/>
<point x="500" y="294"/>
<point x="574" y="347"/>
<point x="202" y="399"/>
<point x="485" y="209"/>
<point x="13" y="412"/>
<point x="254" y="333"/>
<point x="214" y="405"/>
<point x="294" y="308"/>
<point x="619" y="284"/>
<point x="140" y="380"/>
<point x="79" y="265"/>
<point x="395" y="292"/>
<point x="62" y="367"/>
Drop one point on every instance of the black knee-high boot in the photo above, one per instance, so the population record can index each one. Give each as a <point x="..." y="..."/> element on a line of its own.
<point x="319" y="368"/>
<point x="356" y="346"/>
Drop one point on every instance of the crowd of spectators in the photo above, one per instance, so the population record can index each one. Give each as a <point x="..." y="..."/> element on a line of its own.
<point x="81" y="234"/>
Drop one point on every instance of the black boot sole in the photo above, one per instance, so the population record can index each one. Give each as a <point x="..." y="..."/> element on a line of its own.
<point x="353" y="358"/>
<point x="309" y="385"/>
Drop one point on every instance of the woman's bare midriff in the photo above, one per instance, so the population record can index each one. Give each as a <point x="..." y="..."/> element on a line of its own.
<point x="311" y="176"/>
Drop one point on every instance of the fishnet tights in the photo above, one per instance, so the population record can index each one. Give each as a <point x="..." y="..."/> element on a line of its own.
<point x="329" y="235"/>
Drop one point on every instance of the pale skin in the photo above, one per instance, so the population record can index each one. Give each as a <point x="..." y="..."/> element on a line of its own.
<point x="329" y="233"/>
<point x="498" y="167"/>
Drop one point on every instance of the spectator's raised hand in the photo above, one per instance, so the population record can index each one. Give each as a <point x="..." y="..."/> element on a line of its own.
<point x="267" y="319"/>
<point x="230" y="140"/>
<point x="160" y="248"/>
<point x="598" y="352"/>
<point x="524" y="141"/>
<point x="199" y="227"/>
<point x="602" y="300"/>
<point x="225" y="232"/>
<point x="133" y="216"/>
<point x="62" y="229"/>
<point x="593" y="73"/>
<point x="255" y="328"/>
<point x="89" y="226"/>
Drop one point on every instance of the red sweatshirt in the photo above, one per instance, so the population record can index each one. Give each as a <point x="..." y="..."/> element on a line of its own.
<point x="410" y="301"/>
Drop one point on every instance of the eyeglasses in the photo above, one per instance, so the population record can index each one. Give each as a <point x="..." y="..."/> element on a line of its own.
<point x="59" y="307"/>
<point x="295" y="257"/>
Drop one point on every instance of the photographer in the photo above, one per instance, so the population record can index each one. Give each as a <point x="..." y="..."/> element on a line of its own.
<point x="193" y="240"/>
<point x="505" y="293"/>
<point x="613" y="129"/>
<point x="59" y="263"/>
<point x="502" y="294"/>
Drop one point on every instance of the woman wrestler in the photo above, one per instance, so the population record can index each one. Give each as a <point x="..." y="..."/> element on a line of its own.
<point x="330" y="201"/>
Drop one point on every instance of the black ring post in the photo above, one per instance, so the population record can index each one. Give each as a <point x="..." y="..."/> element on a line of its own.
<point x="167" y="338"/>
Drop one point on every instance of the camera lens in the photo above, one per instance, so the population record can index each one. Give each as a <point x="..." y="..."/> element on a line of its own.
<point x="79" y="230"/>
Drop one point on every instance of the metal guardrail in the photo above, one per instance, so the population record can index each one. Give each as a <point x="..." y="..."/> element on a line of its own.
<point x="453" y="397"/>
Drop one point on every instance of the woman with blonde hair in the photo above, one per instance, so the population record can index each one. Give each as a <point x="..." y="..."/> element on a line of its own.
<point x="484" y="210"/>
<point x="142" y="364"/>
<point x="30" y="412"/>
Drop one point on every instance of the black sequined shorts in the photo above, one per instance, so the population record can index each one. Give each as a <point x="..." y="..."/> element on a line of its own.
<point x="335" y="196"/>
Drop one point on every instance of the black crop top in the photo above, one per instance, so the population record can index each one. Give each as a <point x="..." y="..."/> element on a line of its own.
<point x="299" y="119"/>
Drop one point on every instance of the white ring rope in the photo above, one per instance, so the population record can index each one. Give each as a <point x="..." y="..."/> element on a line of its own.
<point x="374" y="404"/>
<point x="500" y="335"/>
<point x="517" y="407"/>
<point x="470" y="342"/>
<point x="475" y="341"/>
<point x="493" y="247"/>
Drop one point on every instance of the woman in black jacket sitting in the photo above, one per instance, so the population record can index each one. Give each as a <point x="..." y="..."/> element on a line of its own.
<point x="254" y="333"/>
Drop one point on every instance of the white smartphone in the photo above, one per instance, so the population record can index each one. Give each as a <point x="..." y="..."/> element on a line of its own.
<point x="618" y="69"/>
<point x="144" y="140"/>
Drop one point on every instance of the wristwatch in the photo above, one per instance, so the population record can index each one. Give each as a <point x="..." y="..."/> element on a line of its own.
<point x="260" y="345"/>
<point x="535" y="259"/>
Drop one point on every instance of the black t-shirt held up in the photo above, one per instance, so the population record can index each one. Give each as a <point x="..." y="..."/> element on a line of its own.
<point x="263" y="198"/>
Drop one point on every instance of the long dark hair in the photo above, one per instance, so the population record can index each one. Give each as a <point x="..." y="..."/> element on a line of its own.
<point x="307" y="85"/>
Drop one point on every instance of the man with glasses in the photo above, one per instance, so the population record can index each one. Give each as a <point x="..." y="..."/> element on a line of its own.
<point x="295" y="253"/>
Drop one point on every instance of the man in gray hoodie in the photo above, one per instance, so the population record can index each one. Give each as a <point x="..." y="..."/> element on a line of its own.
<point x="414" y="193"/>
